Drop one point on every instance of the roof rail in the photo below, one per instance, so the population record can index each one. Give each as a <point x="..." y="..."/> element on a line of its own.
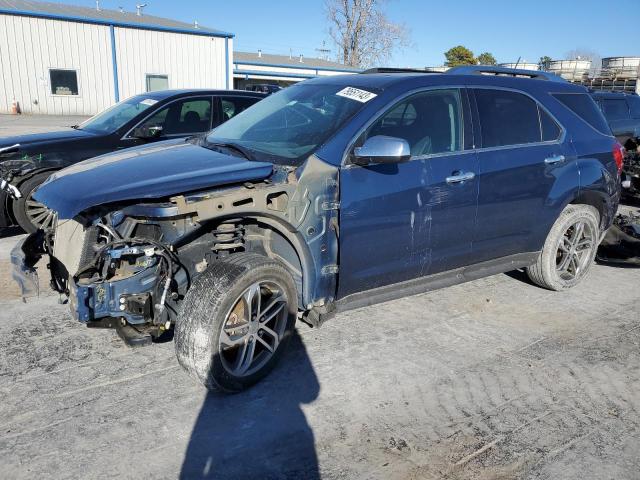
<point x="502" y="71"/>
<point x="394" y="70"/>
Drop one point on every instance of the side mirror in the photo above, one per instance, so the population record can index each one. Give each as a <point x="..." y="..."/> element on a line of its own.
<point x="382" y="149"/>
<point x="147" y="133"/>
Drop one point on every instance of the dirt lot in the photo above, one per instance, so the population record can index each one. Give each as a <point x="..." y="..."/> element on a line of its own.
<point x="488" y="380"/>
<point x="494" y="379"/>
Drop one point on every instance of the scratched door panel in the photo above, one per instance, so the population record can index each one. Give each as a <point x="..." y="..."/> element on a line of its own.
<point x="405" y="220"/>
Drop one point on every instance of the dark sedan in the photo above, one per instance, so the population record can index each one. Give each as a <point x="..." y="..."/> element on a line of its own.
<point x="27" y="161"/>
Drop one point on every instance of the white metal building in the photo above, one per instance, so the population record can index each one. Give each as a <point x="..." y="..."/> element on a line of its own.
<point x="67" y="60"/>
<point x="254" y="68"/>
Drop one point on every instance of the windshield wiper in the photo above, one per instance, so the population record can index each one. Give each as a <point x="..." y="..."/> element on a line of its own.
<point x="75" y="127"/>
<point x="246" y="153"/>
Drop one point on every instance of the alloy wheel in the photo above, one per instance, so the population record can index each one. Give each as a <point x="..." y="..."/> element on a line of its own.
<point x="40" y="216"/>
<point x="575" y="250"/>
<point x="253" y="328"/>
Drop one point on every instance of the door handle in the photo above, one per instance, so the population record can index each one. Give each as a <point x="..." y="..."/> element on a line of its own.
<point x="460" y="177"/>
<point x="554" y="159"/>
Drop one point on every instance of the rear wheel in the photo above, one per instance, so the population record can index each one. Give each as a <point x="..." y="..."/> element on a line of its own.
<point x="30" y="214"/>
<point x="235" y="322"/>
<point x="569" y="250"/>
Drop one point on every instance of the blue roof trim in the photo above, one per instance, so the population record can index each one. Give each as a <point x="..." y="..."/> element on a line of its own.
<point x="301" y="67"/>
<point x="115" y="23"/>
<point x="261" y="73"/>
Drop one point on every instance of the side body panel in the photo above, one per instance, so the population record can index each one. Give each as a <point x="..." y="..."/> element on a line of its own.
<point x="521" y="195"/>
<point x="402" y="221"/>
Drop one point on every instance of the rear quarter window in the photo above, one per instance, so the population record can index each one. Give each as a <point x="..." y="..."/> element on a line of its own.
<point x="583" y="106"/>
<point x="550" y="129"/>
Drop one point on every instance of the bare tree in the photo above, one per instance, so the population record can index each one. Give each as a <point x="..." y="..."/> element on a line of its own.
<point x="363" y="33"/>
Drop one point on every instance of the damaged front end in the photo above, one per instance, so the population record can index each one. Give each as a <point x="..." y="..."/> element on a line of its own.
<point x="128" y="266"/>
<point x="621" y="244"/>
<point x="115" y="276"/>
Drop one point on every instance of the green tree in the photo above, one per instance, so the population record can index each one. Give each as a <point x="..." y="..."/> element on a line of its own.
<point x="544" y="62"/>
<point x="486" y="59"/>
<point x="459" y="55"/>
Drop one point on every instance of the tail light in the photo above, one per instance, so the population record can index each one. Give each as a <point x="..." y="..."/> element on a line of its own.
<point x="618" y="155"/>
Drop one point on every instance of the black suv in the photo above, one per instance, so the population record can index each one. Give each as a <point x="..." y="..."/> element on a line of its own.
<point x="26" y="161"/>
<point x="622" y="111"/>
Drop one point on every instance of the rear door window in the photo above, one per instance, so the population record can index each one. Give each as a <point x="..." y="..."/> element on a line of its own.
<point x="584" y="107"/>
<point x="507" y="118"/>
<point x="615" y="109"/>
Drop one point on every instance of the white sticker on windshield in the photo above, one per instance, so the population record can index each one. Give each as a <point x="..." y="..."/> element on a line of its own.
<point x="149" y="101"/>
<point x="356" y="94"/>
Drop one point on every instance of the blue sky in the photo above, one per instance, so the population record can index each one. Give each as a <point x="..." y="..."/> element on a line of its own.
<point x="507" y="28"/>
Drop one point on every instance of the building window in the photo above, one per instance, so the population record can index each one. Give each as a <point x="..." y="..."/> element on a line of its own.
<point x="63" y="82"/>
<point x="157" y="82"/>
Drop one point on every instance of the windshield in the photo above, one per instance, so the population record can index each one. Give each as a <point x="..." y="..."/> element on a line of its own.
<point x="288" y="126"/>
<point x="117" y="116"/>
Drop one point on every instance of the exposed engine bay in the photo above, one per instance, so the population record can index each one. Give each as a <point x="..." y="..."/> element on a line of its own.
<point x="128" y="266"/>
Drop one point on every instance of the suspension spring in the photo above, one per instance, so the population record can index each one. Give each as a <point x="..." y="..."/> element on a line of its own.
<point x="228" y="236"/>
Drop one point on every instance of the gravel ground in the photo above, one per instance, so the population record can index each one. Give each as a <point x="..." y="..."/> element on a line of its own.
<point x="488" y="380"/>
<point x="493" y="379"/>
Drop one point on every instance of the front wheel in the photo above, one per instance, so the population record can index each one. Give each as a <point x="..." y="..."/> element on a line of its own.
<point x="235" y="322"/>
<point x="569" y="250"/>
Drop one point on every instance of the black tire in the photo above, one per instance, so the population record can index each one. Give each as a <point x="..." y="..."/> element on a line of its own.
<point x="20" y="206"/>
<point x="548" y="271"/>
<point x="206" y="308"/>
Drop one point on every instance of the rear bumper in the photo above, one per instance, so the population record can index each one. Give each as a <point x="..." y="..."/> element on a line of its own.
<point x="611" y="205"/>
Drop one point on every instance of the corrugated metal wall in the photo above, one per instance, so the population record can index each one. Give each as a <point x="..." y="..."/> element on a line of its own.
<point x="29" y="47"/>
<point x="190" y="61"/>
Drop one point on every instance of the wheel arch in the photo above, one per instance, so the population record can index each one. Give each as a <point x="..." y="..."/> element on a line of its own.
<point x="280" y="241"/>
<point x="595" y="199"/>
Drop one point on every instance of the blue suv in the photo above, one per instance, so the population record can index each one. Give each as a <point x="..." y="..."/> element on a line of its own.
<point x="332" y="194"/>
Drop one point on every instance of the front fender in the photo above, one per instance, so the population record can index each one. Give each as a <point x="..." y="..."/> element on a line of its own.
<point x="303" y="207"/>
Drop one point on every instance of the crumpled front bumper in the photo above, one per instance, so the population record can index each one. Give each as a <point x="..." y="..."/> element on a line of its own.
<point x="129" y="298"/>
<point x="23" y="259"/>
